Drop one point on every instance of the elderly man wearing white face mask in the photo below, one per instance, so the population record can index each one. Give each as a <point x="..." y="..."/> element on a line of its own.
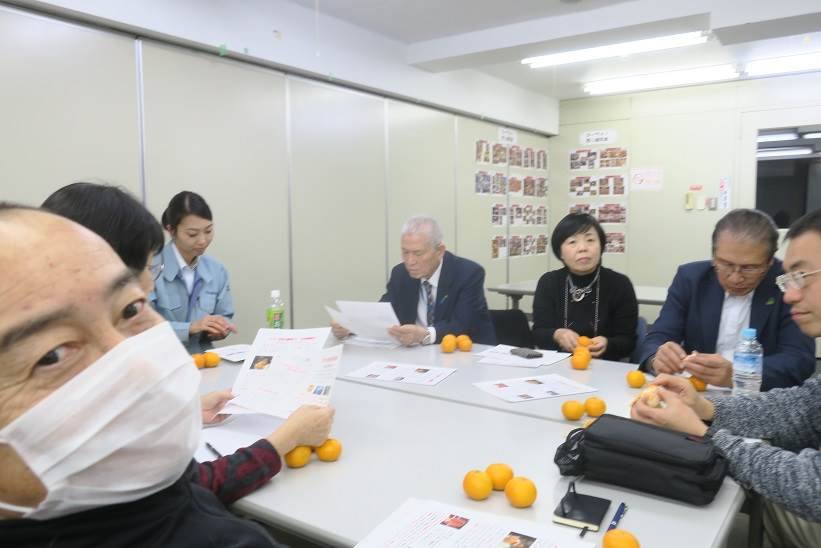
<point x="97" y="429"/>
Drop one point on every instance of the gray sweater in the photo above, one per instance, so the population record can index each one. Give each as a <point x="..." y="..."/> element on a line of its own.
<point x="787" y="472"/>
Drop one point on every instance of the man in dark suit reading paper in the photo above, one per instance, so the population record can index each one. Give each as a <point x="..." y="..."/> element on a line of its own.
<point x="434" y="292"/>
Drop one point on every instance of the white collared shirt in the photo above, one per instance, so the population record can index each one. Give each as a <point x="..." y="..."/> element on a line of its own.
<point x="186" y="271"/>
<point x="422" y="307"/>
<point x="735" y="316"/>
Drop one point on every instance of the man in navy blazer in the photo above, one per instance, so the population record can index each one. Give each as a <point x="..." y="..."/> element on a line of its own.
<point x="434" y="292"/>
<point x="710" y="302"/>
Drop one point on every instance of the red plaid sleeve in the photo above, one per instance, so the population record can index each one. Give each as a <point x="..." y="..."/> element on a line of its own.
<point x="234" y="476"/>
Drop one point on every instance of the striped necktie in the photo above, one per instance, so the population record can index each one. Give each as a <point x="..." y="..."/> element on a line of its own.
<point x="429" y="296"/>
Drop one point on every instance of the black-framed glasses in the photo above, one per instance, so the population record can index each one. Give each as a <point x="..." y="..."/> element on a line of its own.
<point x="728" y="268"/>
<point x="155" y="270"/>
<point x="793" y="280"/>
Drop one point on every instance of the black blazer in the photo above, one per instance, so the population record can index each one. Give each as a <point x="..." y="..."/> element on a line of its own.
<point x="461" y="307"/>
<point x="692" y="312"/>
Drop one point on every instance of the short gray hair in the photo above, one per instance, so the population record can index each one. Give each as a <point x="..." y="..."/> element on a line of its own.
<point x="426" y="226"/>
<point x="749" y="225"/>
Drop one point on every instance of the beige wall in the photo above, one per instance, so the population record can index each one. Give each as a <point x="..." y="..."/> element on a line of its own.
<point x="68" y="107"/>
<point x="697" y="135"/>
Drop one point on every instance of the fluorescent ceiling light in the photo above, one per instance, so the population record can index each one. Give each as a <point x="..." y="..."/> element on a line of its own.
<point x="781" y="65"/>
<point x="814" y="135"/>
<point x="673" y="78"/>
<point x="617" y="50"/>
<point x="784" y="136"/>
<point x="788" y="151"/>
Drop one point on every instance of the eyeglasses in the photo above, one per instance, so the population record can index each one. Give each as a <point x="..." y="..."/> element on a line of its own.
<point x="793" y="280"/>
<point x="745" y="270"/>
<point x="155" y="270"/>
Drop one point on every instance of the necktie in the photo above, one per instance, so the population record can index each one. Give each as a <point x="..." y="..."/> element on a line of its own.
<point x="429" y="297"/>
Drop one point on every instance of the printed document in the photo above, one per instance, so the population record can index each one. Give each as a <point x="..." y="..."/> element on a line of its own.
<point x="426" y="523"/>
<point x="284" y="369"/>
<point x="403" y="373"/>
<point x="367" y="320"/>
<point x="533" y="388"/>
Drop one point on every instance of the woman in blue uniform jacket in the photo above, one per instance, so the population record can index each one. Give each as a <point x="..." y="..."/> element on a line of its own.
<point x="192" y="292"/>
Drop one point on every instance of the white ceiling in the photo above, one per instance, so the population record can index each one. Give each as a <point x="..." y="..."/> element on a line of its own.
<point x="419" y="20"/>
<point x="493" y="36"/>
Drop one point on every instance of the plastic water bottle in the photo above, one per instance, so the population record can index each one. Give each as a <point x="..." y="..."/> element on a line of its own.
<point x="748" y="360"/>
<point x="275" y="313"/>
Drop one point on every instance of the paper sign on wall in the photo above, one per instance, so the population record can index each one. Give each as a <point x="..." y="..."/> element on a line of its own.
<point x="646" y="178"/>
<point x="508" y="136"/>
<point x="724" y="193"/>
<point x="598" y="137"/>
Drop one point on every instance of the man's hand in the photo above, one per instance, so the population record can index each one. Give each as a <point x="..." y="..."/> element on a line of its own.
<point x="711" y="368"/>
<point x="408" y="334"/>
<point x="676" y="415"/>
<point x="597" y="346"/>
<point x="668" y="359"/>
<point x="212" y="404"/>
<point x="567" y="339"/>
<point x="339" y="331"/>
<point x="308" y="425"/>
<point x="684" y="389"/>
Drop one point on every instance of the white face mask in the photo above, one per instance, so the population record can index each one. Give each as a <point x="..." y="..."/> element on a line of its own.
<point x="124" y="428"/>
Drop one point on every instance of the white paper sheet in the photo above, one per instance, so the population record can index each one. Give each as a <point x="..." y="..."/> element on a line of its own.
<point x="402" y="373"/>
<point x="241" y="431"/>
<point x="233" y="353"/>
<point x="285" y="368"/>
<point x="500" y="355"/>
<point x="367" y="319"/>
<point x="426" y="523"/>
<point x="533" y="388"/>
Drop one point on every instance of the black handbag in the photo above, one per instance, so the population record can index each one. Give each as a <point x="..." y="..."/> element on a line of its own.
<point x="644" y="457"/>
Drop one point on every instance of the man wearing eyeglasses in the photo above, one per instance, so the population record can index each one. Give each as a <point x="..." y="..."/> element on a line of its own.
<point x="709" y="303"/>
<point x="787" y="471"/>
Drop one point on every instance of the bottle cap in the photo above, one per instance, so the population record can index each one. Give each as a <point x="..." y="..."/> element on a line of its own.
<point x="275" y="294"/>
<point x="748" y="333"/>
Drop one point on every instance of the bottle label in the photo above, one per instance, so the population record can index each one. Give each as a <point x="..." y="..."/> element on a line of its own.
<point x="748" y="362"/>
<point x="275" y="318"/>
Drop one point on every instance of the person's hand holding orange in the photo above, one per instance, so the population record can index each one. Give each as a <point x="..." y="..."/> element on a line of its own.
<point x="668" y="359"/>
<point x="567" y="339"/>
<point x="308" y="425"/>
<point x="684" y="389"/>
<point x="711" y="368"/>
<point x="597" y="346"/>
<point x="676" y="415"/>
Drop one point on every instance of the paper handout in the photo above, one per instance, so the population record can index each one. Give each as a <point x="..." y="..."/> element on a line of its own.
<point x="284" y="369"/>
<point x="402" y="372"/>
<point x="233" y="353"/>
<point x="500" y="355"/>
<point x="424" y="523"/>
<point x="369" y="321"/>
<point x="533" y="388"/>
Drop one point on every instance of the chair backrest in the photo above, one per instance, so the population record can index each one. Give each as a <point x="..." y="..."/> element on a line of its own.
<point x="512" y="328"/>
<point x="641" y="333"/>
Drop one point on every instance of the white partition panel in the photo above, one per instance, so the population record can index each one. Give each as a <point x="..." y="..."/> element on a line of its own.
<point x="217" y="127"/>
<point x="68" y="107"/>
<point x="338" y="198"/>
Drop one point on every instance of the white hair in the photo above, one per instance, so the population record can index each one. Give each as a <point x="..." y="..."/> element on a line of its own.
<point x="426" y="226"/>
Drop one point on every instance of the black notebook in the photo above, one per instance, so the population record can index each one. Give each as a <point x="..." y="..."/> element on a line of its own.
<point x="581" y="511"/>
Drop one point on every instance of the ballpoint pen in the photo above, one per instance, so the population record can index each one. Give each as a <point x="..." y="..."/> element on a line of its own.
<point x="620" y="511"/>
<point x="213" y="449"/>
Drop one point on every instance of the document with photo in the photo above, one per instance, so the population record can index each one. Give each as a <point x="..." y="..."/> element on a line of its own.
<point x="533" y="388"/>
<point x="284" y="369"/>
<point x="423" y="523"/>
<point x="402" y="372"/>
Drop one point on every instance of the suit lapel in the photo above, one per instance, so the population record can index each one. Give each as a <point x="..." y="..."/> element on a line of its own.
<point x="410" y="301"/>
<point x="764" y="300"/>
<point x="443" y="291"/>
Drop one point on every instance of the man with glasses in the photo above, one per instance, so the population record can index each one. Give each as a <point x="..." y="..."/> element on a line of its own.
<point x="787" y="471"/>
<point x="709" y="303"/>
